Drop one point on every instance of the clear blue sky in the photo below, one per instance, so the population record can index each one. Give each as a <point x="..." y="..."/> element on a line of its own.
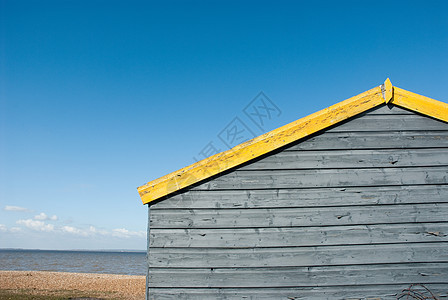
<point x="99" y="97"/>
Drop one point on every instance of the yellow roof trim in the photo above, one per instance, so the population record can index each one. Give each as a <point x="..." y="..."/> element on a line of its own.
<point x="289" y="133"/>
<point x="420" y="104"/>
<point x="388" y="90"/>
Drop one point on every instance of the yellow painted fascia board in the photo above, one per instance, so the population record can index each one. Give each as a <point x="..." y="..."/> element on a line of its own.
<point x="263" y="144"/>
<point x="388" y="91"/>
<point x="420" y="104"/>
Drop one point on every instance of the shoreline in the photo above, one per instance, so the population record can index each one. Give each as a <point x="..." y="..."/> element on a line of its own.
<point x="71" y="285"/>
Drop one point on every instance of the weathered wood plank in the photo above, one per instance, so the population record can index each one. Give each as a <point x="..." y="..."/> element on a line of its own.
<point x="297" y="256"/>
<point x="289" y="217"/>
<point x="351" y="159"/>
<point x="301" y="276"/>
<point x="387" y="110"/>
<point x="300" y="236"/>
<point x="422" y="104"/>
<point x="388" y="90"/>
<point x="389" y="123"/>
<point x="327" y="178"/>
<point x="148" y="236"/>
<point x="373" y="140"/>
<point x="359" y="292"/>
<point x="229" y="199"/>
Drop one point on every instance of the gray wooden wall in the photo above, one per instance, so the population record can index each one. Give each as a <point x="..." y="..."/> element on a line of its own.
<point x="358" y="211"/>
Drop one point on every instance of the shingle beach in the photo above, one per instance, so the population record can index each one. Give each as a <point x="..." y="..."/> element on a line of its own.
<point x="82" y="285"/>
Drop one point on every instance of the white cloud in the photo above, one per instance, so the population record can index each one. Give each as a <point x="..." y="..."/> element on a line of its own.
<point x="36" y="225"/>
<point x="3" y="228"/>
<point x="42" y="217"/>
<point x="74" y="230"/>
<point x="15" y="208"/>
<point x="83" y="232"/>
<point x="15" y="229"/>
<point x="124" y="233"/>
<point x="91" y="231"/>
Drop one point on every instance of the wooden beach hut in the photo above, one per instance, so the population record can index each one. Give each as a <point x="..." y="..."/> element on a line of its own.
<point x="350" y="202"/>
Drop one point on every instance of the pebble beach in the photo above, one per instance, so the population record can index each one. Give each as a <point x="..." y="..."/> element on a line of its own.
<point x="73" y="285"/>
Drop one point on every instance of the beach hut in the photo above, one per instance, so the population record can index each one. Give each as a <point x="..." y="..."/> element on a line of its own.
<point x="348" y="202"/>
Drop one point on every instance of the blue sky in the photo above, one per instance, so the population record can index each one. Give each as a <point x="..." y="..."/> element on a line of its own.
<point x="99" y="97"/>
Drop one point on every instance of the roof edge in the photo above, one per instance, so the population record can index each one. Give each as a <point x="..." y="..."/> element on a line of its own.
<point x="282" y="136"/>
<point x="263" y="144"/>
<point x="421" y="104"/>
<point x="388" y="90"/>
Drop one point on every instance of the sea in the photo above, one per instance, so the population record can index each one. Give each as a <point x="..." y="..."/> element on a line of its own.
<point x="105" y="262"/>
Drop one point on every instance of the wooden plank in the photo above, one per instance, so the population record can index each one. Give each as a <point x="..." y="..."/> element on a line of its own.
<point x="239" y="180"/>
<point x="389" y="123"/>
<point x="351" y="159"/>
<point x="288" y="217"/>
<point x="358" y="292"/>
<point x="373" y="140"/>
<point x="421" y="104"/>
<point x="388" y="110"/>
<point x="297" y="256"/>
<point x="148" y="243"/>
<point x="387" y="90"/>
<point x="274" y="198"/>
<point x="300" y="236"/>
<point x="301" y="276"/>
<point x="260" y="145"/>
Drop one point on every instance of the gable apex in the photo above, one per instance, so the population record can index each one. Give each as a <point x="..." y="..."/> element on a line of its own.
<point x="292" y="132"/>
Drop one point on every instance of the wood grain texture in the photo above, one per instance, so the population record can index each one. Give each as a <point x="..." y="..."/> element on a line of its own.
<point x="374" y="140"/>
<point x="300" y="276"/>
<point x="241" y="180"/>
<point x="278" y="198"/>
<point x="384" y="123"/>
<point x="420" y="104"/>
<point x="387" y="90"/>
<point x="300" y="236"/>
<point x="352" y="159"/>
<point x="358" y="292"/>
<point x="290" y="217"/>
<point x="387" y="110"/>
<point x="297" y="256"/>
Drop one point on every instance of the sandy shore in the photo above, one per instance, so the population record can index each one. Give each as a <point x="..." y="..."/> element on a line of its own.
<point x="104" y="286"/>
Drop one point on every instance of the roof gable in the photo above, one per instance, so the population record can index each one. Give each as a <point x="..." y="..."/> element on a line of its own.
<point x="289" y="133"/>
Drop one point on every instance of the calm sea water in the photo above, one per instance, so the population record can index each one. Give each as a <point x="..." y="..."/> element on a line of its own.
<point x="126" y="263"/>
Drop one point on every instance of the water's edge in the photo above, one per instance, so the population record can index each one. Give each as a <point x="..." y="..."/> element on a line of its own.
<point x="74" y="261"/>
